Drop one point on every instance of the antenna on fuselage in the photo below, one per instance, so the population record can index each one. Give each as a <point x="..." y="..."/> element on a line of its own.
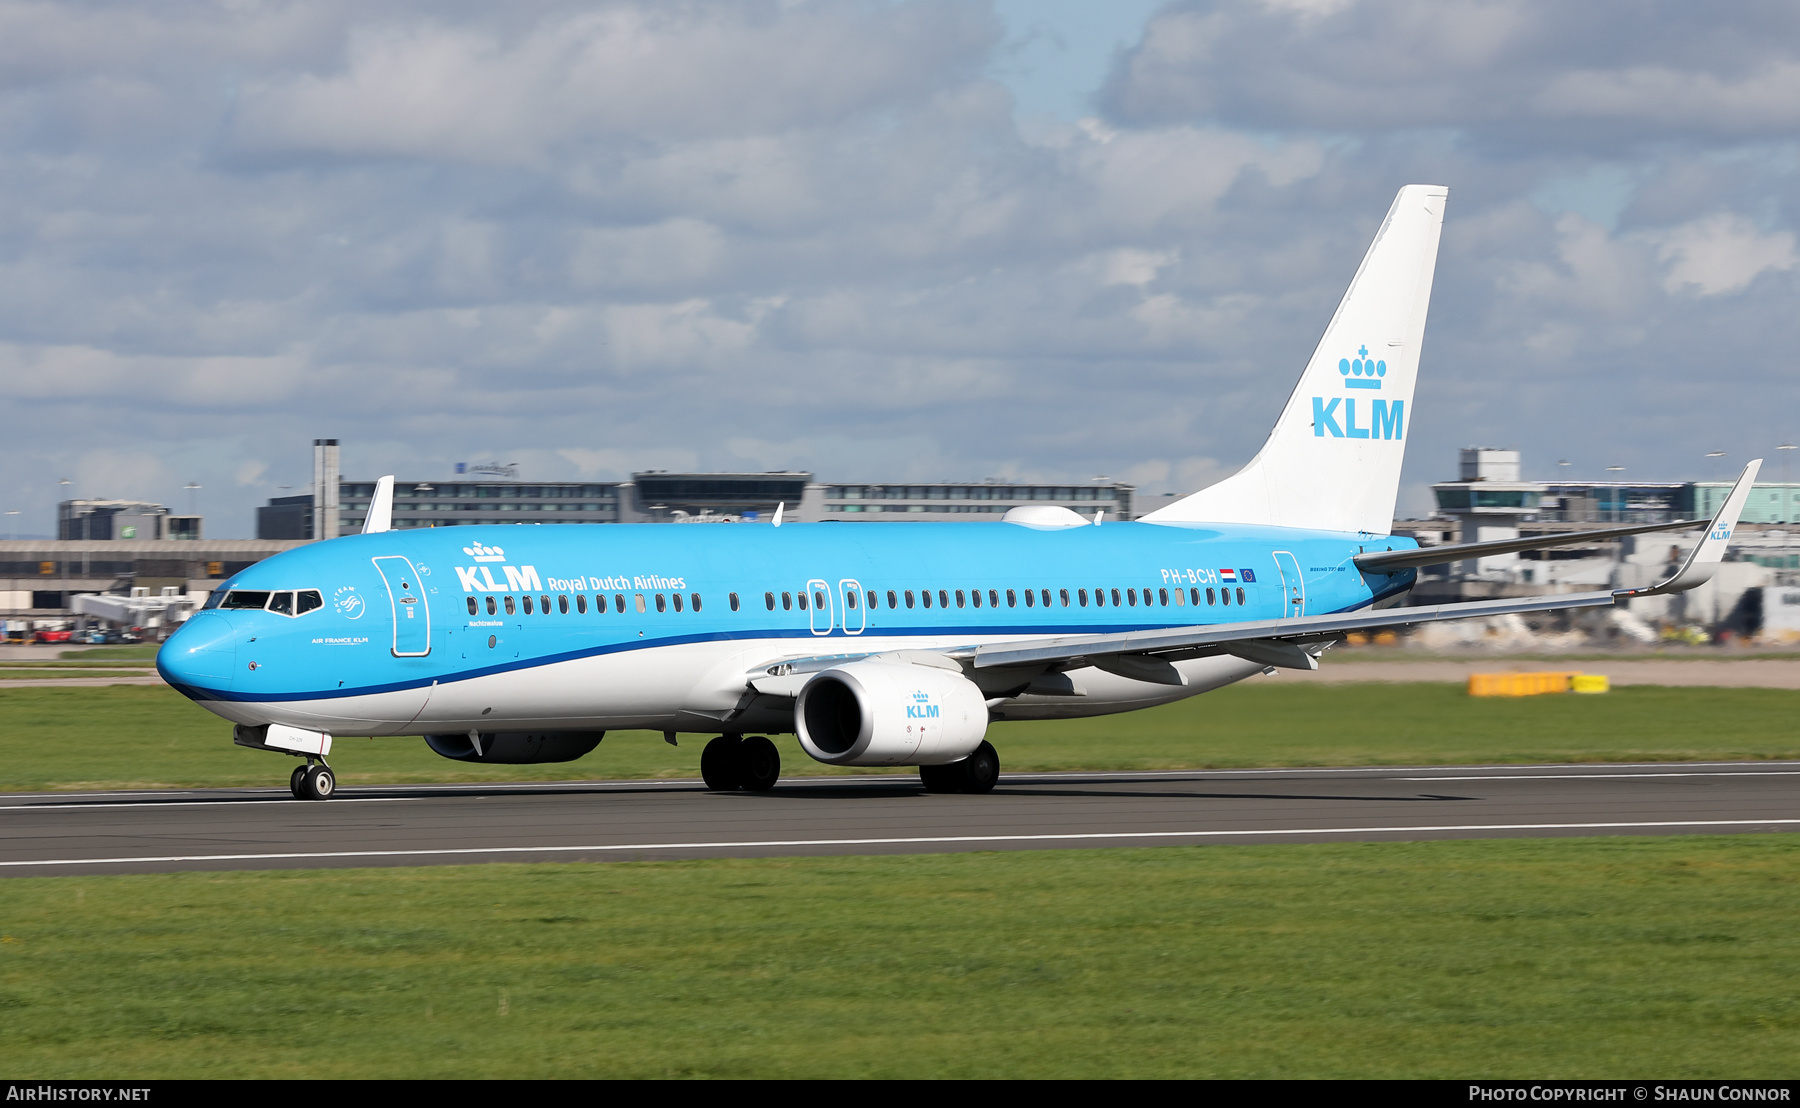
<point x="779" y="508"/>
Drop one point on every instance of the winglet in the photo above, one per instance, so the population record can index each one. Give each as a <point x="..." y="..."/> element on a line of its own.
<point x="381" y="508"/>
<point x="779" y="510"/>
<point x="1710" y="550"/>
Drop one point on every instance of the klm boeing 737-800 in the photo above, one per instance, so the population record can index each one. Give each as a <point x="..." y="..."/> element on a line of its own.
<point x="875" y="644"/>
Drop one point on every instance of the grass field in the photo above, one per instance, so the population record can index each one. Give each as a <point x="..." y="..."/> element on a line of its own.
<point x="137" y="736"/>
<point x="1672" y="957"/>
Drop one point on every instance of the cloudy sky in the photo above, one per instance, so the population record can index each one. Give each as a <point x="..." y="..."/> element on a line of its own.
<point x="936" y="239"/>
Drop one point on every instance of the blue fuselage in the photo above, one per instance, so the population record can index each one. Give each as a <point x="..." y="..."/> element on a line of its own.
<point x="406" y="615"/>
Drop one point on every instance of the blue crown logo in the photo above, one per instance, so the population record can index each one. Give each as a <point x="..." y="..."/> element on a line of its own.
<point x="1362" y="371"/>
<point x="922" y="696"/>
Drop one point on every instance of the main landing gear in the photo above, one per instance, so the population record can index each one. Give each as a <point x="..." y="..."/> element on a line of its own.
<point x="978" y="773"/>
<point x="732" y="762"/>
<point x="312" y="781"/>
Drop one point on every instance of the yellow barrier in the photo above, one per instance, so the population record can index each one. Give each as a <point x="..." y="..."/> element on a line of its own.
<point x="1519" y="684"/>
<point x="1589" y="683"/>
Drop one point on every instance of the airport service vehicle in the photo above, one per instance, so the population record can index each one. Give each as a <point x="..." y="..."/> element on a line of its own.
<point x="875" y="644"/>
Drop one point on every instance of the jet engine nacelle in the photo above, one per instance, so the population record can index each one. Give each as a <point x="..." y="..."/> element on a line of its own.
<point x="884" y="713"/>
<point x="516" y="748"/>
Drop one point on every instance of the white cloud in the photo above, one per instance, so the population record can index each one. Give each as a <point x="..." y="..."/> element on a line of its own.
<point x="1720" y="254"/>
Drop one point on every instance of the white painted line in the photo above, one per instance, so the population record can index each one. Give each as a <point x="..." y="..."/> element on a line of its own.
<point x="1608" y="776"/>
<point x="909" y="841"/>
<point x="158" y="805"/>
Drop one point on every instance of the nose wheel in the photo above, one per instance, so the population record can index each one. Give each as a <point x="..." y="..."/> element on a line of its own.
<point x="312" y="782"/>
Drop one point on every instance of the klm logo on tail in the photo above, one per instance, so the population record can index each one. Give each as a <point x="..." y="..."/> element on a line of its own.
<point x="1386" y="421"/>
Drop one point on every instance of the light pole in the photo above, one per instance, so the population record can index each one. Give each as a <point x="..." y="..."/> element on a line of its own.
<point x="1618" y="495"/>
<point x="1562" y="472"/>
<point x="13" y="525"/>
<point x="192" y="487"/>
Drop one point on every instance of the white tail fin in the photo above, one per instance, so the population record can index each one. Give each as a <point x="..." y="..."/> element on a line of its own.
<point x="381" y="508"/>
<point x="1333" y="460"/>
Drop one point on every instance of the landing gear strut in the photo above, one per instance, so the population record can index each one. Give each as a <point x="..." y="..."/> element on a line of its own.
<point x="978" y="773"/>
<point x="312" y="782"/>
<point x="732" y="762"/>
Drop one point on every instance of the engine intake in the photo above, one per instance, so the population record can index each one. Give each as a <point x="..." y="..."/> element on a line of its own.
<point x="516" y="748"/>
<point x="883" y="713"/>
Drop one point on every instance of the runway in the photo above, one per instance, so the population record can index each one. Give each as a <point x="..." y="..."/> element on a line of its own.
<point x="46" y="834"/>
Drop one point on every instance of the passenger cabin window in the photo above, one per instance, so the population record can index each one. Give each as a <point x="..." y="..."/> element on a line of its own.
<point x="1163" y="596"/>
<point x="1131" y="597"/>
<point x="873" y="598"/>
<point x="581" y="603"/>
<point x="959" y="598"/>
<point x="733" y="598"/>
<point x="1240" y="593"/>
<point x="1224" y="596"/>
<point x="1115" y="598"/>
<point x="850" y="598"/>
<point x="943" y="599"/>
<point x="975" y="597"/>
<point x="787" y="601"/>
<point x="769" y="600"/>
<point x="1081" y="597"/>
<point x="993" y="598"/>
<point x="1029" y="599"/>
<point x="1045" y="593"/>
<point x="490" y="605"/>
<point x="527" y="602"/>
<point x="1194" y="597"/>
<point x="1209" y="598"/>
<point x="819" y="601"/>
<point x="802" y="601"/>
<point x="640" y="604"/>
<point x="562" y="605"/>
<point x="544" y="604"/>
<point x="473" y="607"/>
<point x="675" y="598"/>
<point x="891" y="603"/>
<point x="662" y="605"/>
<point x="694" y="599"/>
<point x="237" y="598"/>
<point x="924" y="598"/>
<point x="619" y="603"/>
<point x="510" y="610"/>
<point x="1064" y="593"/>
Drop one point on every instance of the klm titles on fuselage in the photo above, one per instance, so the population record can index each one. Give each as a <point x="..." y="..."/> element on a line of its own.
<point x="1386" y="421"/>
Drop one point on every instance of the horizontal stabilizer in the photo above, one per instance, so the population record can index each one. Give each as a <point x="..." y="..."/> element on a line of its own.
<point x="1387" y="561"/>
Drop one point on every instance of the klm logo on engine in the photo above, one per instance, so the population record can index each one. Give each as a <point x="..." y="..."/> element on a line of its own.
<point x="921" y="707"/>
<point x="1386" y="421"/>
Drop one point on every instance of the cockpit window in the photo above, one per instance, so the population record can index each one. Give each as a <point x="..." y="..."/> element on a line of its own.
<point x="306" y="600"/>
<point x="282" y="602"/>
<point x="238" y="598"/>
<point x="214" y="599"/>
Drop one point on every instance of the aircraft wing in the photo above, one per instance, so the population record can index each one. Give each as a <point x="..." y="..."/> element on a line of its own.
<point x="1289" y="643"/>
<point x="1387" y="561"/>
<point x="1283" y="642"/>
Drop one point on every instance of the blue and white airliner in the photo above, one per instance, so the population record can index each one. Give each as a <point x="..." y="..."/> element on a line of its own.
<point x="875" y="644"/>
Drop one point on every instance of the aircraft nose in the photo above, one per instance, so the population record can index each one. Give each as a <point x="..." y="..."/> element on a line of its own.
<point x="202" y="653"/>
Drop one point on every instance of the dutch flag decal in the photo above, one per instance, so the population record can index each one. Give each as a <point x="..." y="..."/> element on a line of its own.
<point x="1228" y="575"/>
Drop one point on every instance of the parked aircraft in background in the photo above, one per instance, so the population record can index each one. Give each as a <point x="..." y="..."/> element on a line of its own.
<point x="876" y="644"/>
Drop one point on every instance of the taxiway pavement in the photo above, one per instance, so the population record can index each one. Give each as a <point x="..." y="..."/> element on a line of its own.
<point x="45" y="834"/>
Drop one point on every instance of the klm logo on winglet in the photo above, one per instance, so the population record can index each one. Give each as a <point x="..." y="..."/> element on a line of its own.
<point x="1386" y="421"/>
<point x="923" y="708"/>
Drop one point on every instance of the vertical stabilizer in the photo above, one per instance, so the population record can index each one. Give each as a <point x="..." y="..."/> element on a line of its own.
<point x="1333" y="460"/>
